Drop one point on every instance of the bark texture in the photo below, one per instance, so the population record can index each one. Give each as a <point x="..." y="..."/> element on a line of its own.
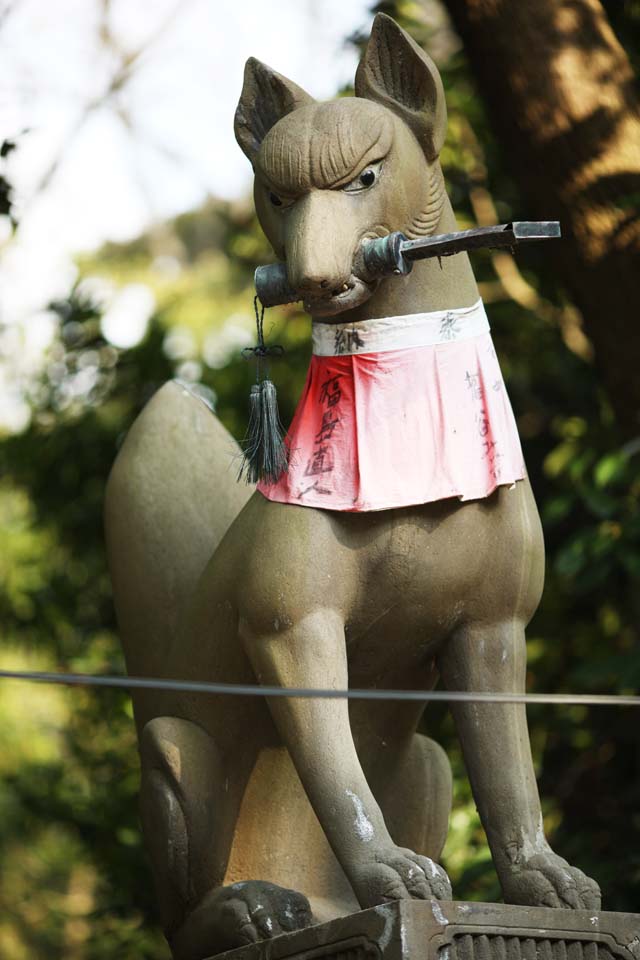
<point x="560" y="93"/>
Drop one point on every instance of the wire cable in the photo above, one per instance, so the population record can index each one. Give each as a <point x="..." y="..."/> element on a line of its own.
<point x="246" y="690"/>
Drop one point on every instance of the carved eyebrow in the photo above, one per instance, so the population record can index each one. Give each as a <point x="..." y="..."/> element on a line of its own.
<point x="325" y="158"/>
<point x="269" y="185"/>
<point x="373" y="154"/>
<point x="338" y="161"/>
<point x="280" y="166"/>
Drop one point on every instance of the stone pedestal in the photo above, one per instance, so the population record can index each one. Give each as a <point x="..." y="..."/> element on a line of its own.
<point x="432" y="930"/>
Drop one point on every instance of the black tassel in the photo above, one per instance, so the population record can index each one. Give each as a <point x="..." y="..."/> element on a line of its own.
<point x="265" y="456"/>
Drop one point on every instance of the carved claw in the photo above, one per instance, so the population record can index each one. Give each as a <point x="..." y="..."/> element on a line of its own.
<point x="395" y="873"/>
<point x="239" y="914"/>
<point x="546" y="880"/>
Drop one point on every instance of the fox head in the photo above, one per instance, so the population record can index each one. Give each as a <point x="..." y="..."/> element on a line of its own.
<point x="328" y="176"/>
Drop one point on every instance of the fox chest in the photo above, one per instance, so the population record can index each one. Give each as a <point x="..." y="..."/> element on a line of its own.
<point x="409" y="595"/>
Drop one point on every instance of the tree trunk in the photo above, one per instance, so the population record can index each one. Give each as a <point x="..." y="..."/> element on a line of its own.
<point x="560" y="94"/>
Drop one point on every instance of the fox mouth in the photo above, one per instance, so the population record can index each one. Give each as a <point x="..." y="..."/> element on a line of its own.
<point x="354" y="292"/>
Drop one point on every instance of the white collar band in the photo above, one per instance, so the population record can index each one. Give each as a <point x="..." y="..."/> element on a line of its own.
<point x="399" y="333"/>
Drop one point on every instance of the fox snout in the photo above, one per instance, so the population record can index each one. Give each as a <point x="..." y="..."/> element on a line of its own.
<point x="315" y="283"/>
<point x="319" y="250"/>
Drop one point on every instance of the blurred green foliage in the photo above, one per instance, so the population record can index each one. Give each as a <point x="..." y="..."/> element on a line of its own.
<point x="74" y="881"/>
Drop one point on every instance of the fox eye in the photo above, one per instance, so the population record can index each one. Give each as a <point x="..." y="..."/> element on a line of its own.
<point x="278" y="201"/>
<point x="365" y="179"/>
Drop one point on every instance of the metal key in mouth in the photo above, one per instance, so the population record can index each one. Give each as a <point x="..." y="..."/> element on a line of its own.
<point x="395" y="254"/>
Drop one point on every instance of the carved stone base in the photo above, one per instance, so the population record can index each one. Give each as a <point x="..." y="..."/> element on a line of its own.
<point x="432" y="930"/>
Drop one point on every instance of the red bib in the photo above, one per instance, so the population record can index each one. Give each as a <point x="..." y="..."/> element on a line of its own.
<point x="399" y="411"/>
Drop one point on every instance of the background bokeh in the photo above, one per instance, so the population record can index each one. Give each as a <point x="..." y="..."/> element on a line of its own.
<point x="128" y="242"/>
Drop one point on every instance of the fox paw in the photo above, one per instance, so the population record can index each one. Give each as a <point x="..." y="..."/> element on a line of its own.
<point x="394" y="873"/>
<point x="239" y="914"/>
<point x="546" y="880"/>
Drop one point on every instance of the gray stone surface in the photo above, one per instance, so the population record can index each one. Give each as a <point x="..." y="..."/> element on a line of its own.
<point x="436" y="930"/>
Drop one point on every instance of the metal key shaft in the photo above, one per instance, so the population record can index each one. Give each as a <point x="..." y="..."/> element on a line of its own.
<point x="395" y="254"/>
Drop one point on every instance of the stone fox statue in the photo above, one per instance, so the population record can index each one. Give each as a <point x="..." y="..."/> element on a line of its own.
<point x="264" y="816"/>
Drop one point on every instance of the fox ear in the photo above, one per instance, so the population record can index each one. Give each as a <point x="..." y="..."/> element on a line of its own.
<point x="397" y="73"/>
<point x="266" y="97"/>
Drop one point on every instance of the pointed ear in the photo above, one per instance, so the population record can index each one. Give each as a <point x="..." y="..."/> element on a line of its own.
<point x="266" y="97"/>
<point x="397" y="73"/>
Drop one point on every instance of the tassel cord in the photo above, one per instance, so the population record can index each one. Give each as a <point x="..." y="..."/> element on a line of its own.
<point x="261" y="352"/>
<point x="265" y="455"/>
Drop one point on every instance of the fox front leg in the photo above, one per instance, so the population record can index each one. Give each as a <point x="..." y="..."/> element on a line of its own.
<point x="317" y="733"/>
<point x="491" y="657"/>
